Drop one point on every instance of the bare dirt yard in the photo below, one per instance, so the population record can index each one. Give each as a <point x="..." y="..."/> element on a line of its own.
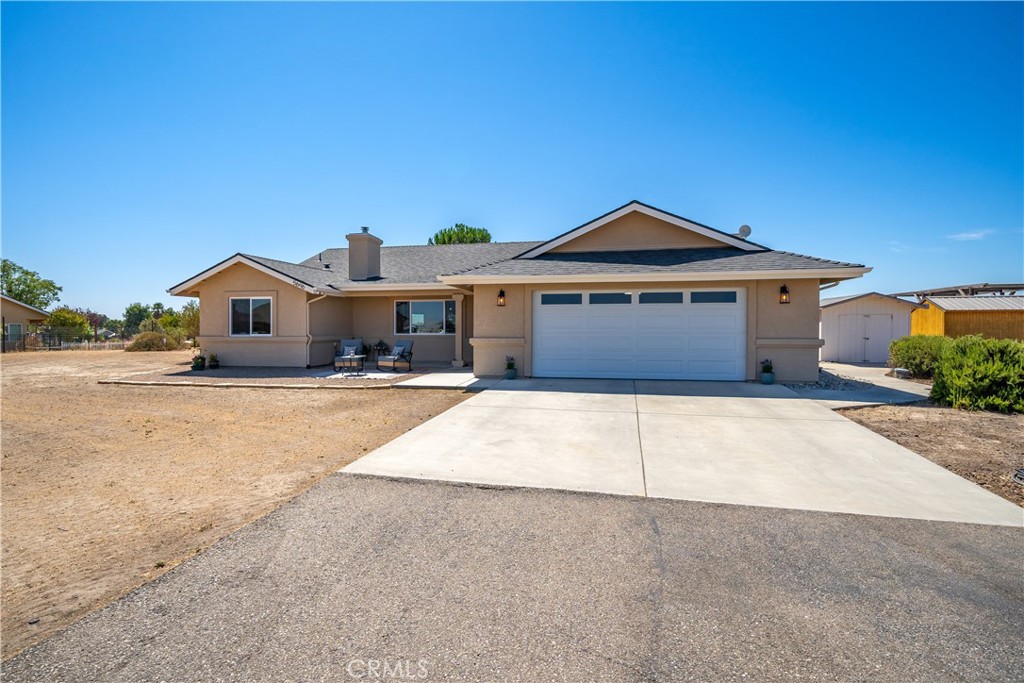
<point x="984" y="447"/>
<point x="105" y="487"/>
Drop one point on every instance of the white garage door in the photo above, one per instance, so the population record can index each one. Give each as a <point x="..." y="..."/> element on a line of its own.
<point x="641" y="334"/>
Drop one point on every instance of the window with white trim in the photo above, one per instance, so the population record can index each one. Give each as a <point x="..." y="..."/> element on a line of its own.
<point x="251" y="316"/>
<point x="425" y="317"/>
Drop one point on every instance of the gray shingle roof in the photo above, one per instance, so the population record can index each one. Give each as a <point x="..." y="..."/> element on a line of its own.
<point x="416" y="264"/>
<point x="700" y="260"/>
<point x="833" y="300"/>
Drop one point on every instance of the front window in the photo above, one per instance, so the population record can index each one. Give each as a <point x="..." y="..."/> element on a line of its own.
<point x="424" y="317"/>
<point x="250" y="316"/>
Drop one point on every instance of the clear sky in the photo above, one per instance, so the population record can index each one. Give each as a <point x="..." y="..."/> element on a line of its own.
<point x="142" y="143"/>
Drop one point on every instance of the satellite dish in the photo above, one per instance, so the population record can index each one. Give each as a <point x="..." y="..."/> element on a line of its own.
<point x="744" y="232"/>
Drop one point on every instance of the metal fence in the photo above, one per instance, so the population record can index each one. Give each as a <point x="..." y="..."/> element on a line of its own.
<point x="57" y="339"/>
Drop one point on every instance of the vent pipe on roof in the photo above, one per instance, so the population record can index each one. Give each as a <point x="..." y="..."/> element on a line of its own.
<point x="744" y="232"/>
<point x="363" y="255"/>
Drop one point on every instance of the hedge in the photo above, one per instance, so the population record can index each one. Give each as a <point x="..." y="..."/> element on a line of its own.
<point x="976" y="373"/>
<point x="919" y="354"/>
<point x="153" y="341"/>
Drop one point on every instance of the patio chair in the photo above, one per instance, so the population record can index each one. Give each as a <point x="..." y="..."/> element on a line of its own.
<point x="346" y="354"/>
<point x="401" y="354"/>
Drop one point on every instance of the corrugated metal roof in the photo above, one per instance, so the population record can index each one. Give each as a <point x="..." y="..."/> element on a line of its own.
<point x="978" y="303"/>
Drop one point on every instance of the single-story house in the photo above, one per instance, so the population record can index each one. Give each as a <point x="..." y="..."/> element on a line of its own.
<point x="635" y="293"/>
<point x="18" y="316"/>
<point x="859" y="328"/>
<point x="1000" y="317"/>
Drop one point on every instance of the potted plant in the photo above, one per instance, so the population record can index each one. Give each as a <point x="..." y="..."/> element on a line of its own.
<point x="767" y="372"/>
<point x="213" y="363"/>
<point x="510" y="367"/>
<point x="198" y="359"/>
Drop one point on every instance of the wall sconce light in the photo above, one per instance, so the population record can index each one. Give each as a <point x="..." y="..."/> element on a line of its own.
<point x="501" y="297"/>
<point x="783" y="294"/>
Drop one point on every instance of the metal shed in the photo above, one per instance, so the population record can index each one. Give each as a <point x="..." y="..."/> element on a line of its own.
<point x="859" y="328"/>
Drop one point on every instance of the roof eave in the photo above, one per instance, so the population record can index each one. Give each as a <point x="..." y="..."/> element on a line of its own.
<point x="183" y="288"/>
<point x="805" y="273"/>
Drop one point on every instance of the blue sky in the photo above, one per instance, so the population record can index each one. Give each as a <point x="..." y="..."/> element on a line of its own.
<point x="143" y="143"/>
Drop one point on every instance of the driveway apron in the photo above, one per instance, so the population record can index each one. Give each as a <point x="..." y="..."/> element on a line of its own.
<point x="720" y="442"/>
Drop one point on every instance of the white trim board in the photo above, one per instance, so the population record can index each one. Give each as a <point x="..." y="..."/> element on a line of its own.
<point x="795" y="274"/>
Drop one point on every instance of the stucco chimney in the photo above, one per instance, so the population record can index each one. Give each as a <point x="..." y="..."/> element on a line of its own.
<point x="363" y="255"/>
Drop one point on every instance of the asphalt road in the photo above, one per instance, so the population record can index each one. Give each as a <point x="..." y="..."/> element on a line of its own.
<point x="364" y="579"/>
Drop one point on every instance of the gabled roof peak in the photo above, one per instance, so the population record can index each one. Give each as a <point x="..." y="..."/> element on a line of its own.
<point x="635" y="205"/>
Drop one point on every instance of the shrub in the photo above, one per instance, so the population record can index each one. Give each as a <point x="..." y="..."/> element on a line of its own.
<point x="975" y="373"/>
<point x="152" y="341"/>
<point x="918" y="353"/>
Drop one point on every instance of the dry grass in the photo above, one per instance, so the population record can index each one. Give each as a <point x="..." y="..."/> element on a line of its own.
<point x="105" y="487"/>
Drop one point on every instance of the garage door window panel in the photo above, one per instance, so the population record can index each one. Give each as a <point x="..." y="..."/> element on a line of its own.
<point x="661" y="297"/>
<point x="561" y="299"/>
<point x="604" y="298"/>
<point x="712" y="297"/>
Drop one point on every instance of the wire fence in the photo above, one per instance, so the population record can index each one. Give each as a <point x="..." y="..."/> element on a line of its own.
<point x="57" y="339"/>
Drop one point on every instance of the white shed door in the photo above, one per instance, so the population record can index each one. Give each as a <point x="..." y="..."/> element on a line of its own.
<point x="641" y="334"/>
<point x="865" y="338"/>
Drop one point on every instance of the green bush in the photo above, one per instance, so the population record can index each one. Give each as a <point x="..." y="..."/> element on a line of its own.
<point x="918" y="353"/>
<point x="976" y="373"/>
<point x="153" y="341"/>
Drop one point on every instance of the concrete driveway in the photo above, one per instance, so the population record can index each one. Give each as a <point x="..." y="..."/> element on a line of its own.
<point x="721" y="442"/>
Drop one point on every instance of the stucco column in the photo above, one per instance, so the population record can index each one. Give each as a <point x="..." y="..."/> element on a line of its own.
<point x="459" y="334"/>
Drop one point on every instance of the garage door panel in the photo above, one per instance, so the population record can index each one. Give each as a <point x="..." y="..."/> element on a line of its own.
<point x="639" y="340"/>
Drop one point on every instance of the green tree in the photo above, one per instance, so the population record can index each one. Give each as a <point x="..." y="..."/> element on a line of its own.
<point x="134" y="314"/>
<point x="460" y="233"/>
<point x="26" y="286"/>
<point x="96" y="320"/>
<point x="190" y="319"/>
<point x="116" y="326"/>
<point x="157" y="310"/>
<point x="170" y="319"/>
<point x="68" y="323"/>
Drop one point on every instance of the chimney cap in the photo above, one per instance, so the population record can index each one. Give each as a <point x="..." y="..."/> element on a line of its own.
<point x="365" y="229"/>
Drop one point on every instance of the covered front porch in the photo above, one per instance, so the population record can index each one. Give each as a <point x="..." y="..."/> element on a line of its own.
<point x="438" y="323"/>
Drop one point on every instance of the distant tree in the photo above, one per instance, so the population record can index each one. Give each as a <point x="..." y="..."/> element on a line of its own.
<point x="157" y="310"/>
<point x="134" y="314"/>
<point x="115" y="326"/>
<point x="96" y="320"/>
<point x="169" y="319"/>
<point x="190" y="319"/>
<point x="26" y="286"/>
<point x="151" y="325"/>
<point x="460" y="233"/>
<point x="68" y="322"/>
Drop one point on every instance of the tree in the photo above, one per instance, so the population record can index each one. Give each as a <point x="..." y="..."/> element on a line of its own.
<point x="190" y="319"/>
<point x="460" y="233"/>
<point x="115" y="326"/>
<point x="157" y="310"/>
<point x="96" y="320"/>
<point x="26" y="286"/>
<point x="68" y="323"/>
<point x="133" y="317"/>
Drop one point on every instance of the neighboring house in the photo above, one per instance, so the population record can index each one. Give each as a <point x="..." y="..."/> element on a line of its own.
<point x="636" y="293"/>
<point x="859" y="328"/>
<point x="17" y="317"/>
<point x="1000" y="317"/>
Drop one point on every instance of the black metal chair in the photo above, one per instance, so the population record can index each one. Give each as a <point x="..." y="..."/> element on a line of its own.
<point x="401" y="354"/>
<point x="345" y="354"/>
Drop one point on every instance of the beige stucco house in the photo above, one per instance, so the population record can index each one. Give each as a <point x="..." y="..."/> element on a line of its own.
<point x="636" y="293"/>
<point x="18" y="316"/>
